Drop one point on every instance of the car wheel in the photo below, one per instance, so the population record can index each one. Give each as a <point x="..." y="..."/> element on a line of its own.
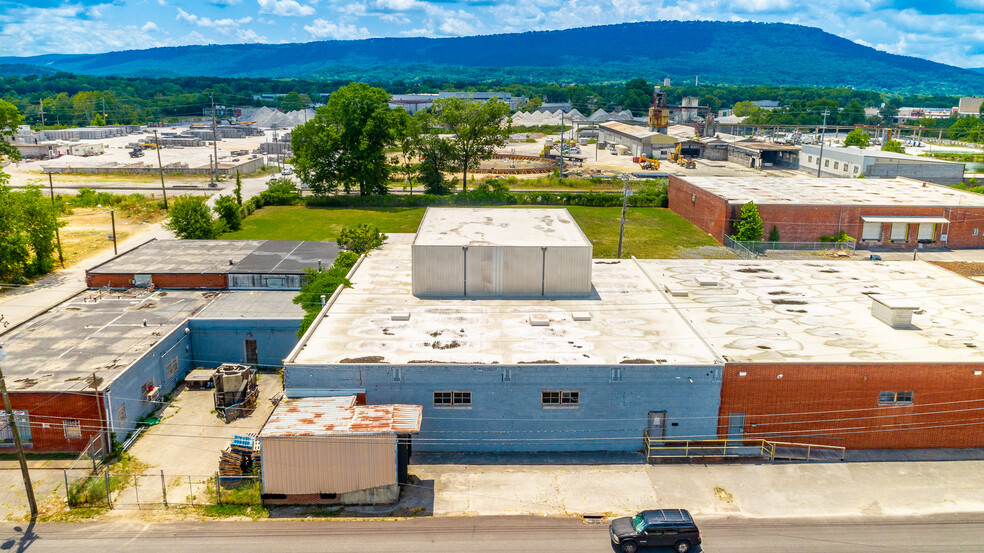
<point x="682" y="547"/>
<point x="629" y="547"/>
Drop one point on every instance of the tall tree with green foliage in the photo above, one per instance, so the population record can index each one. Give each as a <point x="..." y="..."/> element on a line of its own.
<point x="344" y="145"/>
<point x="477" y="129"/>
<point x="859" y="138"/>
<point x="749" y="227"/>
<point x="190" y="218"/>
<point x="238" y="189"/>
<point x="893" y="146"/>
<point x="229" y="211"/>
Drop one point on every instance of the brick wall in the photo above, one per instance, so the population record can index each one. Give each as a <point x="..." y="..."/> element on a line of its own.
<point x="186" y="281"/>
<point x="48" y="412"/>
<point x="838" y="404"/>
<point x="703" y="209"/>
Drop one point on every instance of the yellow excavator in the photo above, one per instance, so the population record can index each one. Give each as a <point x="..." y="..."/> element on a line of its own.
<point x="646" y="163"/>
<point x="677" y="158"/>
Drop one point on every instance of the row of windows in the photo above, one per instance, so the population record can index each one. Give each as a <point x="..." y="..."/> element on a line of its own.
<point x="837" y="165"/>
<point x="895" y="398"/>
<point x="72" y="428"/>
<point x="548" y="398"/>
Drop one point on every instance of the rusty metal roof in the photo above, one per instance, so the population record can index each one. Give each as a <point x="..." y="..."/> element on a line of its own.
<point x="334" y="416"/>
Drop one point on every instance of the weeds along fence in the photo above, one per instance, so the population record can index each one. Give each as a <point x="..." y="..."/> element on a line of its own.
<point x="482" y="198"/>
<point x="103" y="488"/>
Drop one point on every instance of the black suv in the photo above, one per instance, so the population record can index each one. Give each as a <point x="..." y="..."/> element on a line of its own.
<point x="657" y="528"/>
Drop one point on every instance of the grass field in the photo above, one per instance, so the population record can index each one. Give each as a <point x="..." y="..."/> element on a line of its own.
<point x="650" y="232"/>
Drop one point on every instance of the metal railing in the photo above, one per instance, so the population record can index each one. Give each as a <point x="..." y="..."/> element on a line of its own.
<point x="739" y="248"/>
<point x="760" y="247"/>
<point x="755" y="447"/>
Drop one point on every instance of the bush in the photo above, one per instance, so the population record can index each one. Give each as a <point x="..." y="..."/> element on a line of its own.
<point x="361" y="238"/>
<point x="281" y="191"/>
<point x="749" y="227"/>
<point x="839" y="237"/>
<point x="190" y="218"/>
<point x="229" y="211"/>
<point x="322" y="283"/>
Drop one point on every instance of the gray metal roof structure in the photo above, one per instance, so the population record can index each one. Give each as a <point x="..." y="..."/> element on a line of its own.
<point x="221" y="257"/>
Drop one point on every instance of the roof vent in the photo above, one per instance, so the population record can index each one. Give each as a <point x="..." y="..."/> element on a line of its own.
<point x="676" y="291"/>
<point x="895" y="312"/>
<point x="581" y="316"/>
<point x="706" y="280"/>
<point x="400" y="316"/>
<point x="230" y="261"/>
<point x="539" y="319"/>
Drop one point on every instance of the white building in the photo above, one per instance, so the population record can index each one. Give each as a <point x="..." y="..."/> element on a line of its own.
<point x="853" y="162"/>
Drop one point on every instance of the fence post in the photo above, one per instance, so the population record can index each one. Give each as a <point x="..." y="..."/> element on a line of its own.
<point x="109" y="499"/>
<point x="191" y="491"/>
<point x="68" y="496"/>
<point x="807" y="452"/>
<point x="218" y="489"/>
<point x="163" y="488"/>
<point x="136" y="489"/>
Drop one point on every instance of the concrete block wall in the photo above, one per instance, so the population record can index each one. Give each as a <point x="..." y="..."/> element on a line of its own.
<point x="217" y="341"/>
<point x="506" y="412"/>
<point x="837" y="404"/>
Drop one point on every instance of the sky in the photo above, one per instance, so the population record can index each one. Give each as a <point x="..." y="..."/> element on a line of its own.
<point x="947" y="31"/>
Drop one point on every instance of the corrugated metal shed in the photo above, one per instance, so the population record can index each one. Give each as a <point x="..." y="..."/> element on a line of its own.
<point x="335" y="416"/>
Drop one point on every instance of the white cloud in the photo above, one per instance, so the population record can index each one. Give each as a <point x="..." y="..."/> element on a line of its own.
<point x="395" y="18"/>
<point x="225" y="3"/>
<point x="220" y="24"/>
<point x="161" y="2"/>
<point x="322" y="28"/>
<point x="284" y="7"/>
<point x="149" y="26"/>
<point x="454" y="26"/>
<point x="399" y="5"/>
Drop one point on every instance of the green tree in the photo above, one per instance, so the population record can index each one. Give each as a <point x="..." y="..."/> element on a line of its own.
<point x="859" y="138"/>
<point x="853" y="114"/>
<point x="893" y="146"/>
<point x="294" y="101"/>
<point x="438" y="155"/>
<point x="238" y="189"/>
<point x="477" y="129"/>
<point x="98" y="121"/>
<point x="413" y="131"/>
<point x="746" y="108"/>
<point x="890" y="110"/>
<point x="749" y="227"/>
<point x="774" y="234"/>
<point x="280" y="191"/>
<point x="229" y="211"/>
<point x="344" y="145"/>
<point x="322" y="283"/>
<point x="191" y="219"/>
<point x="14" y="244"/>
<point x="360" y="238"/>
<point x="10" y="119"/>
<point x="533" y="104"/>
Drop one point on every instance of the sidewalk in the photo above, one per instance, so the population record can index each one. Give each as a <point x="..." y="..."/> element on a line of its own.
<point x="887" y="488"/>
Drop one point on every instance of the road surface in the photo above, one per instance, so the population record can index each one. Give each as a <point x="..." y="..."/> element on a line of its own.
<point x="489" y="535"/>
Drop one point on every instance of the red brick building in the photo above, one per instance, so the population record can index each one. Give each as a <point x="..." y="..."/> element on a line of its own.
<point x="879" y="213"/>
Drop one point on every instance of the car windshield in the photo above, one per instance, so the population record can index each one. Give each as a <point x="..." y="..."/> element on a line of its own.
<point x="639" y="523"/>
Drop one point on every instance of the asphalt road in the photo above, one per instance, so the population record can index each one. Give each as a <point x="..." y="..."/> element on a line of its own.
<point x="488" y="535"/>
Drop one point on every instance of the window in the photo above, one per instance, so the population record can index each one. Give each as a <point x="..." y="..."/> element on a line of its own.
<point x="975" y="232"/>
<point x="846" y="167"/>
<point x="900" y="232"/>
<point x="809" y="159"/>
<point x="23" y="422"/>
<point x="73" y="430"/>
<point x="121" y="415"/>
<point x="895" y="398"/>
<point x="927" y="231"/>
<point x="172" y="367"/>
<point x="560" y="398"/>
<point x="826" y="163"/>
<point x="871" y="231"/>
<point x="149" y="390"/>
<point x="452" y="398"/>
<point x="836" y="163"/>
<point x="856" y="169"/>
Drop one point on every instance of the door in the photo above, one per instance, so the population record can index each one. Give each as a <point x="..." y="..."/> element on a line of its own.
<point x="736" y="428"/>
<point x="251" y="356"/>
<point x="657" y="425"/>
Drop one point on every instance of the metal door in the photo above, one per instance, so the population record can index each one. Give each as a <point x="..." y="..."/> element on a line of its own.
<point x="251" y="357"/>
<point x="736" y="428"/>
<point x="657" y="425"/>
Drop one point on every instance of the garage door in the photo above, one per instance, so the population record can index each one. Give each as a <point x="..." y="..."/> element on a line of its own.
<point x="872" y="231"/>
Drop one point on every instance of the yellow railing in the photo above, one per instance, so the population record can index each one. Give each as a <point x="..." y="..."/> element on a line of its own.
<point x="755" y="447"/>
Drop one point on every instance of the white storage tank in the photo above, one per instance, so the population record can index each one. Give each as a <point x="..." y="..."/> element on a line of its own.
<point x="485" y="252"/>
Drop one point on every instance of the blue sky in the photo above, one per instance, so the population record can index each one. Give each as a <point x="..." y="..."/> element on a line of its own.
<point x="948" y="31"/>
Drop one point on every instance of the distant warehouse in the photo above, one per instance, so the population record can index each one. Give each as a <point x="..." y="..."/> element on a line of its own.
<point x="854" y="162"/>
<point x="887" y="213"/>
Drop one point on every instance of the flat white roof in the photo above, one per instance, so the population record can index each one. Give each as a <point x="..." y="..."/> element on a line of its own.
<point x="459" y="226"/>
<point x="631" y="322"/>
<point x="820" y="311"/>
<point x="804" y="190"/>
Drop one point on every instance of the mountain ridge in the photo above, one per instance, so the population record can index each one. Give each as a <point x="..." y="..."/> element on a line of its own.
<point x="719" y="52"/>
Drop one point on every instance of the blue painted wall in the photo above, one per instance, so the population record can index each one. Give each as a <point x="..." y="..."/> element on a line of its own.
<point x="217" y="341"/>
<point x="127" y="388"/>
<point x="506" y="412"/>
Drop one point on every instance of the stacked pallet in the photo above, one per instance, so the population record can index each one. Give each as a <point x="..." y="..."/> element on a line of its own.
<point x="239" y="458"/>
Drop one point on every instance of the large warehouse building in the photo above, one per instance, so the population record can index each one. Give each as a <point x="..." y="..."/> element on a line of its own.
<point x="850" y="354"/>
<point x="852" y="162"/>
<point x="896" y="213"/>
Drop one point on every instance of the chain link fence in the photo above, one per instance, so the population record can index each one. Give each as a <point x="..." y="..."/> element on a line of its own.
<point x="103" y="488"/>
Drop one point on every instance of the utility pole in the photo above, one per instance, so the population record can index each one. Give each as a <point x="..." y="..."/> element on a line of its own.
<point x="51" y="190"/>
<point x="17" y="441"/>
<point x="112" y="218"/>
<point x="826" y="112"/>
<point x="625" y="201"/>
<point x="105" y="115"/>
<point x="160" y="167"/>
<point x="41" y="103"/>
<point x="215" y="140"/>
<point x="561" y="148"/>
